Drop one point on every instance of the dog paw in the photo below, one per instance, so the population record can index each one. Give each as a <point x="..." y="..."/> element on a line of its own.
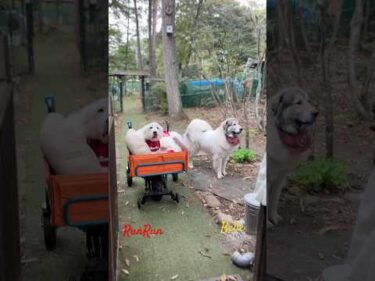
<point x="220" y="176"/>
<point x="225" y="173"/>
<point x="276" y="219"/>
<point x="191" y="166"/>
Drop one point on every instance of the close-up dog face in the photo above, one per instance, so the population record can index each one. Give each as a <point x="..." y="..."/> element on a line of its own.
<point x="97" y="116"/>
<point x="153" y="131"/>
<point x="232" y="127"/>
<point x="292" y="111"/>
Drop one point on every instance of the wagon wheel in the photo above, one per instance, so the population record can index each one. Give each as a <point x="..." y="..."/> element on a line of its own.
<point x="139" y="203"/>
<point x="176" y="197"/>
<point x="128" y="177"/>
<point x="175" y="177"/>
<point x="157" y="186"/>
<point x="49" y="231"/>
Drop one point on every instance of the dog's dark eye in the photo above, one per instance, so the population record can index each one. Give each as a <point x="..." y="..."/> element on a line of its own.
<point x="100" y="110"/>
<point x="151" y="128"/>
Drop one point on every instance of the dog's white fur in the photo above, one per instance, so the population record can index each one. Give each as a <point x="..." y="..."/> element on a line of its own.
<point x="200" y="136"/>
<point x="136" y="139"/>
<point x="172" y="142"/>
<point x="280" y="161"/>
<point x="64" y="139"/>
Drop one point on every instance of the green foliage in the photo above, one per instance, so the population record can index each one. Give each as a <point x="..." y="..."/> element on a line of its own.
<point x="244" y="155"/>
<point x="215" y="37"/>
<point x="322" y="174"/>
<point x="160" y="92"/>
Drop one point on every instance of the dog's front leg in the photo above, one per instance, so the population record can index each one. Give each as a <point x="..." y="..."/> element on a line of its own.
<point x="224" y="165"/>
<point x="274" y="197"/>
<point x="217" y="165"/>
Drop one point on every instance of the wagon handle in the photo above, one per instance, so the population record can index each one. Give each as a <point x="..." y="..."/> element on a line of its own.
<point x="167" y="124"/>
<point x="130" y="125"/>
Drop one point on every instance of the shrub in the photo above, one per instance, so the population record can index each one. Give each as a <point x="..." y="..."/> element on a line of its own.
<point x="244" y="155"/>
<point x="322" y="174"/>
<point x="160" y="92"/>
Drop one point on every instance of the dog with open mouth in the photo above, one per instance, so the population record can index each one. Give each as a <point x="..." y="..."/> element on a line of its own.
<point x="144" y="140"/>
<point x="289" y="139"/>
<point x="219" y="142"/>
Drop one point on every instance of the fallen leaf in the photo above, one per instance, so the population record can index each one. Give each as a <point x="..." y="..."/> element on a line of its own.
<point x="125" y="271"/>
<point x="174" y="277"/>
<point x="127" y="262"/>
<point x="223" y="277"/>
<point x="126" y="203"/>
<point x="182" y="213"/>
<point x="204" y="254"/>
<point x="136" y="258"/>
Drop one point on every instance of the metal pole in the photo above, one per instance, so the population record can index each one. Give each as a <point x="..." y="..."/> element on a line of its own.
<point x="121" y="94"/>
<point x="143" y="93"/>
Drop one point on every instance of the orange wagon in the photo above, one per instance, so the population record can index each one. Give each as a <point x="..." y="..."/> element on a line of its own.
<point x="78" y="201"/>
<point x="155" y="168"/>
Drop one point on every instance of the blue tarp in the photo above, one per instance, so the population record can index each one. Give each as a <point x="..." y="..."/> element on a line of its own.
<point x="205" y="83"/>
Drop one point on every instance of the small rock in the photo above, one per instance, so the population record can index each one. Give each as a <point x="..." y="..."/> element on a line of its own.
<point x="220" y="217"/>
<point x="309" y="199"/>
<point x="212" y="201"/>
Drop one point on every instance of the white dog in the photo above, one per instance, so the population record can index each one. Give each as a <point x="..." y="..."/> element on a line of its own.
<point x="151" y="139"/>
<point x="64" y="139"/>
<point x="218" y="143"/>
<point x="145" y="140"/>
<point x="289" y="140"/>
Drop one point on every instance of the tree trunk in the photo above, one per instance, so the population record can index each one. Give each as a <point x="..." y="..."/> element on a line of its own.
<point x="138" y="50"/>
<point x="127" y="43"/>
<point x="192" y="30"/>
<point x="170" y="61"/>
<point x="355" y="35"/>
<point x="152" y="23"/>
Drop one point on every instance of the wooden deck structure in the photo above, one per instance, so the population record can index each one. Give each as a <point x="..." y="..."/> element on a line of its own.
<point x="122" y="76"/>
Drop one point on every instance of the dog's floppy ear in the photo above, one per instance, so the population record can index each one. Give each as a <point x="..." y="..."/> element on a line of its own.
<point x="226" y="124"/>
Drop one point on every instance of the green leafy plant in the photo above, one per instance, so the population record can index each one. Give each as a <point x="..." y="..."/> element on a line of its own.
<point x="244" y="155"/>
<point x="159" y="90"/>
<point x="322" y="174"/>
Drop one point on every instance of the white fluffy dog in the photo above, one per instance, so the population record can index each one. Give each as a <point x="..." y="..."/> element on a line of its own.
<point x="152" y="139"/>
<point x="64" y="139"/>
<point x="174" y="142"/>
<point x="218" y="143"/>
<point x="145" y="140"/>
<point x="289" y="138"/>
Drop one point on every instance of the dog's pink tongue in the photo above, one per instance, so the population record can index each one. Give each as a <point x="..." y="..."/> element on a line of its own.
<point x="297" y="143"/>
<point x="153" y="145"/>
<point x="233" y="140"/>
